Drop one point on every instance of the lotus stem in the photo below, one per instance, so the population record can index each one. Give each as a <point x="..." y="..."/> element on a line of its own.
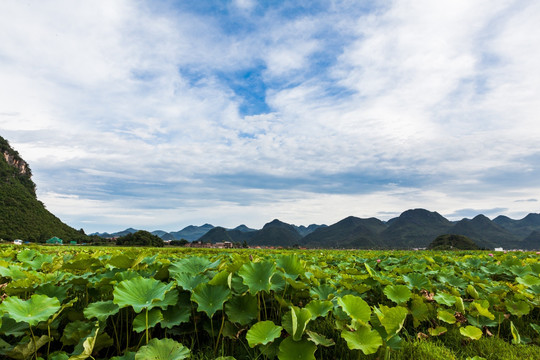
<point x="220" y="331"/>
<point x="34" y="341"/>
<point x="146" y="326"/>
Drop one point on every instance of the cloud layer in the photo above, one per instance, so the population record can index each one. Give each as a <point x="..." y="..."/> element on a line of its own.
<point x="154" y="115"/>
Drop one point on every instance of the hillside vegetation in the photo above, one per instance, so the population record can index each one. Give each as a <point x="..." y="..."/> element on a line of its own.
<point x="22" y="215"/>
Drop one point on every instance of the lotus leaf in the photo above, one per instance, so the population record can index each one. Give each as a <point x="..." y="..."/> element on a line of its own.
<point x="12" y="327"/>
<point x="25" y="350"/>
<point x="130" y="355"/>
<point x="397" y="293"/>
<point x="141" y="321"/>
<point x="517" y="308"/>
<point x="364" y="339"/>
<point x="162" y="349"/>
<point x="318" y="339"/>
<point x="187" y="281"/>
<point x="296" y="350"/>
<point x="257" y="276"/>
<point x="299" y="321"/>
<point x="516" y="338"/>
<point x="483" y="310"/>
<point x="193" y="265"/>
<point x="59" y="292"/>
<point x="439" y="330"/>
<point x="175" y="315"/>
<point x="278" y="282"/>
<point x="38" y="308"/>
<point x="323" y="291"/>
<point x="263" y="333"/>
<point x="170" y="299"/>
<point x="446" y="316"/>
<point x="528" y="280"/>
<point x="445" y="299"/>
<point x="472" y="332"/>
<point x="393" y="319"/>
<point x="210" y="298"/>
<point x="535" y="327"/>
<point x="418" y="281"/>
<point x="242" y="309"/>
<point x="101" y="310"/>
<point x="85" y="350"/>
<point x="355" y="307"/>
<point x="58" y="355"/>
<point x="75" y="331"/>
<point x="291" y="265"/>
<point x="140" y="293"/>
<point x="319" y="308"/>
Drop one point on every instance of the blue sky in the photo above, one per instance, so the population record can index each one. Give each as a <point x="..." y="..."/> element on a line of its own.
<point x="161" y="114"/>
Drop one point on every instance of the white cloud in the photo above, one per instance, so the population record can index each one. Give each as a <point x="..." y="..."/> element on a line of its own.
<point x="422" y="94"/>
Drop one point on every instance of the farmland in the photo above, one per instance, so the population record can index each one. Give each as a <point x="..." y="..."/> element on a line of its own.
<point x="142" y="303"/>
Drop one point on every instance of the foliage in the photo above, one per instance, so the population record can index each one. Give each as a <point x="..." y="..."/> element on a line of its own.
<point x="205" y="303"/>
<point x="452" y="242"/>
<point x="140" y="238"/>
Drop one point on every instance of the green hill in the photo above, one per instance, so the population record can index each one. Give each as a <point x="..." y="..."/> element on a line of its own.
<point x="22" y="215"/>
<point x="452" y="242"/>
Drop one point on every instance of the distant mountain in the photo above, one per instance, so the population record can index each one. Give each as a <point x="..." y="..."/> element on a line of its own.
<point x="244" y="228"/>
<point x="303" y="230"/>
<point x="216" y="234"/>
<point x="276" y="233"/>
<point x="485" y="233"/>
<point x="415" y="228"/>
<point x="192" y="232"/>
<point x="452" y="242"/>
<point x="22" y="215"/>
<point x="523" y="227"/>
<point x="351" y="232"/>
<point x="163" y="235"/>
<point x="532" y="241"/>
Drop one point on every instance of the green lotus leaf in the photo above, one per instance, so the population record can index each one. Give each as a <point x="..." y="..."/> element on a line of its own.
<point x="13" y="272"/>
<point x="75" y="331"/>
<point x="483" y="310"/>
<point x="318" y="339"/>
<point x="534" y="289"/>
<point x="419" y="310"/>
<point x="445" y="299"/>
<point x="38" y="308"/>
<point x="154" y="317"/>
<point x="59" y="292"/>
<point x="528" y="280"/>
<point x="188" y="281"/>
<point x="393" y="319"/>
<point x="296" y="350"/>
<point x="278" y="282"/>
<point x="101" y="310"/>
<point x="323" y="291"/>
<point x="319" y="308"/>
<point x="516" y="338"/>
<point x="125" y="261"/>
<point x="221" y="278"/>
<point x="535" y="327"/>
<point x="26" y="255"/>
<point x="397" y="293"/>
<point x="418" y="281"/>
<point x="355" y="307"/>
<point x="242" y="309"/>
<point x="25" y="350"/>
<point x="193" y="265"/>
<point x="446" y="316"/>
<point x="140" y="293"/>
<point x="439" y="330"/>
<point x="472" y="292"/>
<point x="175" y="315"/>
<point x="364" y="339"/>
<point x="210" y="298"/>
<point x="257" y="275"/>
<point x="170" y="299"/>
<point x="291" y="265"/>
<point x="84" y="351"/>
<point x="517" y="308"/>
<point x="11" y="327"/>
<point x="162" y="349"/>
<point x="58" y="355"/>
<point x="33" y="260"/>
<point x="299" y="321"/>
<point x="263" y="333"/>
<point x="472" y="332"/>
<point x="130" y="355"/>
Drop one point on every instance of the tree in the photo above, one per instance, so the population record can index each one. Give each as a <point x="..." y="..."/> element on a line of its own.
<point x="140" y="238"/>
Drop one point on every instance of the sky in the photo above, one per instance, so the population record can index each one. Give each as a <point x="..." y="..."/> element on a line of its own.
<point x="160" y="114"/>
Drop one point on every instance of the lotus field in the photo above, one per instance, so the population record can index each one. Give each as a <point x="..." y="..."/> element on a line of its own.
<point x="142" y="303"/>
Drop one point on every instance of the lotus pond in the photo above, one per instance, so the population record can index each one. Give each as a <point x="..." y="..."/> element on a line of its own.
<point x="142" y="303"/>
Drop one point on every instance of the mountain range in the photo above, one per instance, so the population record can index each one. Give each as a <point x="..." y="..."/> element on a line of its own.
<point x="414" y="228"/>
